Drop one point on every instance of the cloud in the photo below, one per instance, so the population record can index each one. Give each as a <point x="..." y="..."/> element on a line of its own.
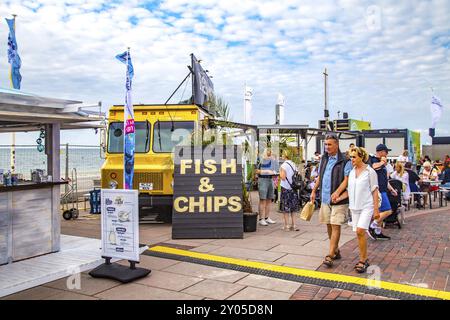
<point x="382" y="57"/>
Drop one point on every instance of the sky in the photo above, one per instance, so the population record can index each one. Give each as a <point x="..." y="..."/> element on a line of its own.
<point x="382" y="57"/>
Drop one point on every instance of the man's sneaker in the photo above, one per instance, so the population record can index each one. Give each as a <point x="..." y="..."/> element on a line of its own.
<point x="382" y="237"/>
<point x="263" y="222"/>
<point x="270" y="221"/>
<point x="371" y="233"/>
<point x="374" y="226"/>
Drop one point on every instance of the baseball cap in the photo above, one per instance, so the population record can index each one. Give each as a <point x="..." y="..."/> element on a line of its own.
<point x="382" y="147"/>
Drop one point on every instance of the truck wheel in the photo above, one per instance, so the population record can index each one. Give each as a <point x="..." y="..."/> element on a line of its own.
<point x="67" y="215"/>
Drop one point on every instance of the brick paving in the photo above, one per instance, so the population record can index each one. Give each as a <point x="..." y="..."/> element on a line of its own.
<point x="418" y="254"/>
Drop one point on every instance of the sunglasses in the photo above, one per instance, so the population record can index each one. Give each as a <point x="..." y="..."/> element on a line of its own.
<point x="331" y="136"/>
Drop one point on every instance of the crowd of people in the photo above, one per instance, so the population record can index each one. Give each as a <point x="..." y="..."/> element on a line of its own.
<point x="352" y="187"/>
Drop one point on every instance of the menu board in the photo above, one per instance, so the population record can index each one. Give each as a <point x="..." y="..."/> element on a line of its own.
<point x="120" y="224"/>
<point x="207" y="196"/>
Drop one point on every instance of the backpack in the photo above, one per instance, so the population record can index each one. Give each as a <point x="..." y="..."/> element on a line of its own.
<point x="297" y="182"/>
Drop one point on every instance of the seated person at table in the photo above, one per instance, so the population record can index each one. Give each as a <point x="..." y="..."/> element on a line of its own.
<point x="427" y="174"/>
<point x="446" y="176"/>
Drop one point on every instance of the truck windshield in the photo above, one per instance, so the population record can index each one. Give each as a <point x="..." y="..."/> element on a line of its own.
<point x="142" y="137"/>
<point x="167" y="135"/>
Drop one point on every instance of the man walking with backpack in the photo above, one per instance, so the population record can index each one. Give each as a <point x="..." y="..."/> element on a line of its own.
<point x="332" y="181"/>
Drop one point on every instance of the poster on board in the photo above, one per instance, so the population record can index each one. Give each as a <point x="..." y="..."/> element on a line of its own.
<point x="120" y="224"/>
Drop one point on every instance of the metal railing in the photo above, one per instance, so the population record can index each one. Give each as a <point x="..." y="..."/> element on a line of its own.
<point x="85" y="159"/>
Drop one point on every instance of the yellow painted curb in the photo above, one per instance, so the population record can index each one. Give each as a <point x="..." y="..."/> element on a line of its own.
<point x="307" y="273"/>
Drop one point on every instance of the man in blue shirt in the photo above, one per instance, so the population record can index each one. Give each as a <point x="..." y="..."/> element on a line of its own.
<point x="334" y="170"/>
<point x="378" y="163"/>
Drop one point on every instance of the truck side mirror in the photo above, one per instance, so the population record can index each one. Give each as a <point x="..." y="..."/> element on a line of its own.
<point x="103" y="143"/>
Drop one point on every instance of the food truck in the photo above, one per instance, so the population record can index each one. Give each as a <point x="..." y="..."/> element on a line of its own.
<point x="159" y="128"/>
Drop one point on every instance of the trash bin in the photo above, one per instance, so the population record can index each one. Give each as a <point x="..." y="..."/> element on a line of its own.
<point x="94" y="201"/>
<point x="250" y="221"/>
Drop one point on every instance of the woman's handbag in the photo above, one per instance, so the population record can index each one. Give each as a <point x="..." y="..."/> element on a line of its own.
<point x="307" y="211"/>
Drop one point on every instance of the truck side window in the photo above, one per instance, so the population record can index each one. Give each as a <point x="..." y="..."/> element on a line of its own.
<point x="166" y="136"/>
<point x="142" y="136"/>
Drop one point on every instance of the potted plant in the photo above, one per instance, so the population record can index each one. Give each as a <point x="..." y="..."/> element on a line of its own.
<point x="250" y="217"/>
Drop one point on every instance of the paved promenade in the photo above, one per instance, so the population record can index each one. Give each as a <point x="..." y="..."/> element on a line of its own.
<point x="417" y="255"/>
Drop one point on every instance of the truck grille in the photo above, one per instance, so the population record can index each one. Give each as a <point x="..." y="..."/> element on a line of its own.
<point x="148" y="177"/>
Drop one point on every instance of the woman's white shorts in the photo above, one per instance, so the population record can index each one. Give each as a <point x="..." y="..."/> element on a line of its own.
<point x="361" y="218"/>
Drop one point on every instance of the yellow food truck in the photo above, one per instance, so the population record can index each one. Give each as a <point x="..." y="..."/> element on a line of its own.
<point x="158" y="129"/>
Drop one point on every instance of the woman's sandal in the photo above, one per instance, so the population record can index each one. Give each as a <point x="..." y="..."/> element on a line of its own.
<point x="294" y="228"/>
<point x="337" y="255"/>
<point x="329" y="261"/>
<point x="362" y="266"/>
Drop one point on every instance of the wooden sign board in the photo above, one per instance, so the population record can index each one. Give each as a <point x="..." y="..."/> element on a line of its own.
<point x="207" y="193"/>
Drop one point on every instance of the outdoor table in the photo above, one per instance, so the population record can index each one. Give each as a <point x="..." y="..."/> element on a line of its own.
<point x="442" y="191"/>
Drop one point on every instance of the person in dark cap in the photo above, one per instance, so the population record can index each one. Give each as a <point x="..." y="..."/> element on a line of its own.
<point x="379" y="163"/>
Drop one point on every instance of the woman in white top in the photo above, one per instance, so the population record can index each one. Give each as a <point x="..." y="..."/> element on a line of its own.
<point x="403" y="158"/>
<point x="363" y="201"/>
<point x="289" y="201"/>
<point x="401" y="174"/>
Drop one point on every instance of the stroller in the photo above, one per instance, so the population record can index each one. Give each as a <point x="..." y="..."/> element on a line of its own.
<point x="305" y="194"/>
<point x="396" y="204"/>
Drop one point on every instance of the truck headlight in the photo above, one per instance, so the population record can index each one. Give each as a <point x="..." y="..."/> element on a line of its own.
<point x="171" y="184"/>
<point x="113" y="184"/>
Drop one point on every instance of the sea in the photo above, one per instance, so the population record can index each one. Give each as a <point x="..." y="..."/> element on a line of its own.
<point x="84" y="162"/>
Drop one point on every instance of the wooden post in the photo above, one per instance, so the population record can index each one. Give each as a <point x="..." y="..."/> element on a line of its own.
<point x="52" y="147"/>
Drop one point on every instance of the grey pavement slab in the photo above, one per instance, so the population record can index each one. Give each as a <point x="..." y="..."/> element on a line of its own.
<point x="36" y="293"/>
<point x="274" y="240"/>
<point x="242" y="253"/>
<point x="301" y="261"/>
<point x="206" y="248"/>
<point x="258" y="281"/>
<point x="206" y="272"/>
<point x="249" y="243"/>
<point x="319" y="251"/>
<point x="169" y="281"/>
<point x="214" y="289"/>
<point x="284" y="234"/>
<point x="314" y="236"/>
<point x="135" y="291"/>
<point x="87" y="285"/>
<point x="67" y="295"/>
<point x="316" y="244"/>
<point x="152" y="263"/>
<point x="251" y="293"/>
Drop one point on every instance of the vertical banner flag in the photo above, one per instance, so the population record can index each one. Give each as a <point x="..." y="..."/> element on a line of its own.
<point x="436" y="110"/>
<point x="13" y="55"/>
<point x="248" y="94"/>
<point x="129" y="142"/>
<point x="202" y="86"/>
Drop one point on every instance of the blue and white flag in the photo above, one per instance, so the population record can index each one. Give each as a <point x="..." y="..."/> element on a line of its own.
<point x="129" y="128"/>
<point x="13" y="55"/>
<point x="436" y="109"/>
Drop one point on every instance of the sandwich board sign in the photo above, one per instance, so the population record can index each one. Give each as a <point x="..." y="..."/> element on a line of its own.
<point x="207" y="200"/>
<point x="120" y="224"/>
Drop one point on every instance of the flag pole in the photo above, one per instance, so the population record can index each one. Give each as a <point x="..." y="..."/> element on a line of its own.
<point x="125" y="124"/>
<point x="13" y="134"/>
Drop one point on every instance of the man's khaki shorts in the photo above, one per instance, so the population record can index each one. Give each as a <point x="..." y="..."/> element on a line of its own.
<point x="336" y="214"/>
